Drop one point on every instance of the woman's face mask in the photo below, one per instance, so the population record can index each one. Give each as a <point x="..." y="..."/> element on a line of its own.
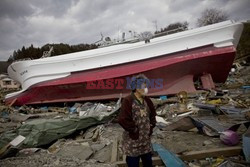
<point x="143" y="91"/>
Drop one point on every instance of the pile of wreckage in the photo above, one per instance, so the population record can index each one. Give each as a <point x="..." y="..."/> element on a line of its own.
<point x="206" y="128"/>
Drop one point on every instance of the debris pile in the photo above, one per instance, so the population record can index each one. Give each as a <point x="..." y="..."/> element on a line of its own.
<point x="205" y="128"/>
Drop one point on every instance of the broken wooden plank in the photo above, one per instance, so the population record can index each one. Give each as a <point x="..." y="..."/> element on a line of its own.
<point x="192" y="155"/>
<point x="216" y="152"/>
<point x="15" y="142"/>
<point x="114" y="151"/>
<point x="13" y="101"/>
<point x="183" y="124"/>
<point x="96" y="135"/>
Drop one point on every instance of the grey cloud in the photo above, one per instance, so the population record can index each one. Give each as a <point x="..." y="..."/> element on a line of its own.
<point x="37" y="22"/>
<point x="181" y="5"/>
<point x="90" y="10"/>
<point x="15" y="9"/>
<point x="55" y="8"/>
<point x="238" y="10"/>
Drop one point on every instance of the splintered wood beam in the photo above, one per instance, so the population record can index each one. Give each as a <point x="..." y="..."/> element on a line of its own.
<point x="13" y="101"/>
<point x="192" y="155"/>
<point x="114" y="151"/>
<point x="216" y="152"/>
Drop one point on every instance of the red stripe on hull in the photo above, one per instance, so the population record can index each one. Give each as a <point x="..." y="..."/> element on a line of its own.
<point x="176" y="70"/>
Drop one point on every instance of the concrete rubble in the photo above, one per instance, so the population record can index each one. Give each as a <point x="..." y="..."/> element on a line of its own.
<point x="189" y="125"/>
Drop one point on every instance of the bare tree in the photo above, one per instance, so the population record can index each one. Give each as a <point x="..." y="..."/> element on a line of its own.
<point x="145" y="35"/>
<point x="211" y="16"/>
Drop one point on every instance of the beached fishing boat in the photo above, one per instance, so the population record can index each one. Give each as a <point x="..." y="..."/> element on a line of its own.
<point x="172" y="62"/>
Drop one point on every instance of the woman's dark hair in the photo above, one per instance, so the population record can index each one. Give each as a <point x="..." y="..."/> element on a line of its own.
<point x="138" y="81"/>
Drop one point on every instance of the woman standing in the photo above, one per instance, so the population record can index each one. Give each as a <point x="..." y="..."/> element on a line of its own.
<point x="137" y="118"/>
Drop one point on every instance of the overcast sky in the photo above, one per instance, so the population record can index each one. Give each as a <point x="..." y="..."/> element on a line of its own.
<point x="38" y="22"/>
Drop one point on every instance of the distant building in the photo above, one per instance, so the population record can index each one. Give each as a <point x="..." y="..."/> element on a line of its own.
<point x="8" y="83"/>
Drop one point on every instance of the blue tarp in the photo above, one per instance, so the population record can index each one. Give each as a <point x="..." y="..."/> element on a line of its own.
<point x="246" y="145"/>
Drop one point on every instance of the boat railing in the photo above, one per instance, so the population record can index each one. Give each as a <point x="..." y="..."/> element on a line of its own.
<point x="47" y="53"/>
<point x="179" y="29"/>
